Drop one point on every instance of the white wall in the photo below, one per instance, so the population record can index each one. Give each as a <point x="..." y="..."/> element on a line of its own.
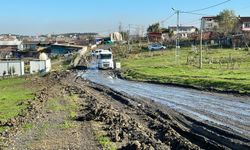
<point x="209" y="24"/>
<point x="48" y="65"/>
<point x="7" y="65"/>
<point x="40" y="65"/>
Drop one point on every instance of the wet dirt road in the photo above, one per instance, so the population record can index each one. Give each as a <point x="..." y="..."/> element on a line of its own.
<point x="226" y="111"/>
<point x="72" y="113"/>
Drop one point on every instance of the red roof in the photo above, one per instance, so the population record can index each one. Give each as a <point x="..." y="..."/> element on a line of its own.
<point x="209" y="17"/>
<point x="245" y="19"/>
<point x="181" y="27"/>
<point x="156" y="34"/>
<point x="7" y="49"/>
<point x="242" y="19"/>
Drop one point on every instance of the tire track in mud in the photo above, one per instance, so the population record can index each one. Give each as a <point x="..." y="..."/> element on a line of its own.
<point x="204" y="135"/>
<point x="221" y="109"/>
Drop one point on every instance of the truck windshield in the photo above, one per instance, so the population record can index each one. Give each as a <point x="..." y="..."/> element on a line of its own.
<point x="105" y="56"/>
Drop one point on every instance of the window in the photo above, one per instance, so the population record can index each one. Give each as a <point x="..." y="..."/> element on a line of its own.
<point x="209" y="25"/>
<point x="105" y="56"/>
<point x="247" y="25"/>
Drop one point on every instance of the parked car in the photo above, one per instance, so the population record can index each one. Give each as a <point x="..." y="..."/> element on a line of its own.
<point x="156" y="46"/>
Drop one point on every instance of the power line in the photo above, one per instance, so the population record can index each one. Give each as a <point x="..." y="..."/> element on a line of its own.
<point x="192" y="13"/>
<point x="168" y="18"/>
<point x="193" y="21"/>
<point x="210" y="6"/>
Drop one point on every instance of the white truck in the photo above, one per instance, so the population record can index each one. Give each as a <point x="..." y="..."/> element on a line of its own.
<point x="105" y="60"/>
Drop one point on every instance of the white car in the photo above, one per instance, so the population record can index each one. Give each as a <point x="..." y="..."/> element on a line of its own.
<point x="156" y="47"/>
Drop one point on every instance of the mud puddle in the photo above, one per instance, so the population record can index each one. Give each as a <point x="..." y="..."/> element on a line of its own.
<point x="224" y="110"/>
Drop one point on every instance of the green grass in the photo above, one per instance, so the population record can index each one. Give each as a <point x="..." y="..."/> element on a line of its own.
<point x="101" y="136"/>
<point x="27" y="126"/>
<point x="12" y="92"/>
<point x="2" y="129"/>
<point x="223" y="69"/>
<point x="106" y="143"/>
<point x="66" y="125"/>
<point x="66" y="104"/>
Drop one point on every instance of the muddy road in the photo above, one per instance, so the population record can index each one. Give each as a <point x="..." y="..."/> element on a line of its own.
<point x="220" y="109"/>
<point x="73" y="113"/>
<point x="217" y="117"/>
<point x="80" y="115"/>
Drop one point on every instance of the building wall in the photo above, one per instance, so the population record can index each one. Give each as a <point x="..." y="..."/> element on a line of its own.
<point x="29" y="46"/>
<point x="184" y="33"/>
<point x="5" y="66"/>
<point x="209" y="24"/>
<point x="246" y="26"/>
<point x="60" y="50"/>
<point x="37" y="66"/>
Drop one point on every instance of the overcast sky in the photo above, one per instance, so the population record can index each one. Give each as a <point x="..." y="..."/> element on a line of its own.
<point x="34" y="17"/>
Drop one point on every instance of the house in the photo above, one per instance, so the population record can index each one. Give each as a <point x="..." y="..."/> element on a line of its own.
<point x="62" y="49"/>
<point x="33" y="45"/>
<point x="184" y="31"/>
<point x="116" y="37"/>
<point x="10" y="41"/>
<point x="155" y="37"/>
<point x="209" y="23"/>
<point x="8" y="44"/>
<point x="245" y="24"/>
<point x="30" y="45"/>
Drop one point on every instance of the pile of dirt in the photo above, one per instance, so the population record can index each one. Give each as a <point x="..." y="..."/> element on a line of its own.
<point x="130" y="132"/>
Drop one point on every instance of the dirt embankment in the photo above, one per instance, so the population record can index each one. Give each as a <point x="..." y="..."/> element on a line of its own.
<point x="71" y="113"/>
<point x="33" y="106"/>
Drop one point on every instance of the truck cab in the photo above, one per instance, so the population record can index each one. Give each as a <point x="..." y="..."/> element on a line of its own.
<point x="105" y="60"/>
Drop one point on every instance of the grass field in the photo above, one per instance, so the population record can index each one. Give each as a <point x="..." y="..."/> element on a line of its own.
<point x="12" y="92"/>
<point x="223" y="69"/>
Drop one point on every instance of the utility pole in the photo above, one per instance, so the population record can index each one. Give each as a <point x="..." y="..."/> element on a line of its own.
<point x="129" y="27"/>
<point x="201" y="46"/>
<point x="120" y="27"/>
<point x="177" y="39"/>
<point x="121" y="30"/>
<point x="177" y="46"/>
<point x="141" y="35"/>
